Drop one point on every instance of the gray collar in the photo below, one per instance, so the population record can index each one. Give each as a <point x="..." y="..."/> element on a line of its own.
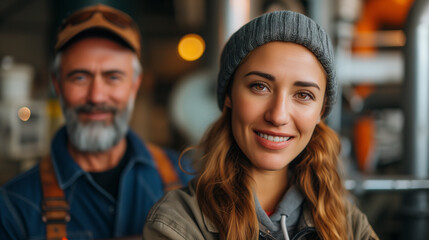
<point x="290" y="205"/>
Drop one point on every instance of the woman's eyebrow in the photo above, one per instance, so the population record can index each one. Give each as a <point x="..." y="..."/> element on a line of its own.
<point x="306" y="84"/>
<point x="261" y="74"/>
<point x="272" y="78"/>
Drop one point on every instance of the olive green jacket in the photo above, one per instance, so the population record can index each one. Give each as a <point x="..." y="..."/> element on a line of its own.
<point x="178" y="216"/>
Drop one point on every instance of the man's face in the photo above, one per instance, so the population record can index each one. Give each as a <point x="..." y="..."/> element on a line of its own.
<point x="97" y="88"/>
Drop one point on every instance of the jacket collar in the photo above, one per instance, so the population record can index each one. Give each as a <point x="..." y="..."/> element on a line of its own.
<point x="207" y="222"/>
<point x="66" y="169"/>
<point x="209" y="225"/>
<point x="306" y="219"/>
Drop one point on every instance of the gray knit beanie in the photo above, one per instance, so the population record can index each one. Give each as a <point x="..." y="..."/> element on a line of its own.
<point x="285" y="26"/>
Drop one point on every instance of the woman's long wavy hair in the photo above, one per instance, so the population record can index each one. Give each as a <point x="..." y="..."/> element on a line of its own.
<point x="224" y="187"/>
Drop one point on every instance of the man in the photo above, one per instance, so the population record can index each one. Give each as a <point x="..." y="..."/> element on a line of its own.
<point x="100" y="180"/>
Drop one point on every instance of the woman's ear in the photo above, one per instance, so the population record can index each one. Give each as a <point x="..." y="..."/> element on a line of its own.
<point x="227" y="102"/>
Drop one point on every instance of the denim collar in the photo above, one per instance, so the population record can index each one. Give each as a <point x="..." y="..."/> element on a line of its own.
<point x="66" y="169"/>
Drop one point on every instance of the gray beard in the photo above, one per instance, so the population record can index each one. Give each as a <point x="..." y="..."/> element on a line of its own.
<point x="96" y="136"/>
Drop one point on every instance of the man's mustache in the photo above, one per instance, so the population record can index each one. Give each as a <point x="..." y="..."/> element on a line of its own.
<point x="91" y="108"/>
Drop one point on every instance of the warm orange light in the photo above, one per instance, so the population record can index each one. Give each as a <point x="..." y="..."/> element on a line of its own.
<point x="24" y="113"/>
<point x="403" y="2"/>
<point x="191" y="47"/>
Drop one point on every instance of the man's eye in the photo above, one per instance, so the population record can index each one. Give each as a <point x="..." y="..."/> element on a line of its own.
<point x="114" y="77"/>
<point x="79" y="78"/>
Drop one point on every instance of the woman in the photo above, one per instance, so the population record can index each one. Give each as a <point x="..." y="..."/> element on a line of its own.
<point x="269" y="165"/>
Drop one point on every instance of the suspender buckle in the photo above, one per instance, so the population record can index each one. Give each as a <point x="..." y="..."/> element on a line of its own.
<point x="55" y="210"/>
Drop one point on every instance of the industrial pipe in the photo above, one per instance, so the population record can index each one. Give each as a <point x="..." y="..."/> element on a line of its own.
<point x="416" y="111"/>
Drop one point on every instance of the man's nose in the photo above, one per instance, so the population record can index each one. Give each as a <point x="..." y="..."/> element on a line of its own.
<point x="278" y="111"/>
<point x="97" y="90"/>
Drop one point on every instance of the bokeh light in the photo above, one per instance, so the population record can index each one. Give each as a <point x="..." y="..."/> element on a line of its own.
<point x="191" y="47"/>
<point x="24" y="113"/>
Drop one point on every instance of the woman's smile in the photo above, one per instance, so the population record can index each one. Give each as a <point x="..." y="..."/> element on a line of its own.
<point x="273" y="141"/>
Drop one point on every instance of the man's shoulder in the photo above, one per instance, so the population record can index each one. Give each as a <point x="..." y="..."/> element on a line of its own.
<point x="22" y="190"/>
<point x="140" y="146"/>
<point x="140" y="151"/>
<point x="28" y="180"/>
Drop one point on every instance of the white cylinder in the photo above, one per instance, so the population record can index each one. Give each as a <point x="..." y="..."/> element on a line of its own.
<point x="16" y="82"/>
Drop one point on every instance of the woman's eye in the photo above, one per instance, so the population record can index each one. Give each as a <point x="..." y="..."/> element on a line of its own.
<point x="305" y="96"/>
<point x="259" y="87"/>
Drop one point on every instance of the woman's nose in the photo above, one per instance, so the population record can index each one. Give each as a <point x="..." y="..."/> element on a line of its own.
<point x="278" y="112"/>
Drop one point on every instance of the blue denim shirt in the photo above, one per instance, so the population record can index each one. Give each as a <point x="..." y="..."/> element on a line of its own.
<point x="94" y="212"/>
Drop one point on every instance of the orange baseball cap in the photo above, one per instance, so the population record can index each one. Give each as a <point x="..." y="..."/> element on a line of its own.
<point x="100" y="16"/>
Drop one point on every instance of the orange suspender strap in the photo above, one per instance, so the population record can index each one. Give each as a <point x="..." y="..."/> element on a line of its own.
<point x="165" y="168"/>
<point x="55" y="209"/>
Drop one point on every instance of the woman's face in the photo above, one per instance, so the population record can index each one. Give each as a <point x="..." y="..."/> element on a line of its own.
<point x="276" y="101"/>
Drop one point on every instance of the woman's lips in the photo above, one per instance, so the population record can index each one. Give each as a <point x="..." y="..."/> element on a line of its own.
<point x="273" y="141"/>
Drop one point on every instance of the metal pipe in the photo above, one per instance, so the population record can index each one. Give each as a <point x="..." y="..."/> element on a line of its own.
<point x="416" y="112"/>
<point x="233" y="15"/>
<point x="322" y="12"/>
<point x="361" y="185"/>
<point x="417" y="90"/>
<point x="385" y="67"/>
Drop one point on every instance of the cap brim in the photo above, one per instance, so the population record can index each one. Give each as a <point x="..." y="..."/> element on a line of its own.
<point x="128" y="34"/>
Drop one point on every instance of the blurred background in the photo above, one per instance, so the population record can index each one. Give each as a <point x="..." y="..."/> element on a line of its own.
<point x="382" y="114"/>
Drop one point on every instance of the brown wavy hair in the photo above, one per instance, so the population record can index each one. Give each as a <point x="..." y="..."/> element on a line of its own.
<point x="224" y="186"/>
